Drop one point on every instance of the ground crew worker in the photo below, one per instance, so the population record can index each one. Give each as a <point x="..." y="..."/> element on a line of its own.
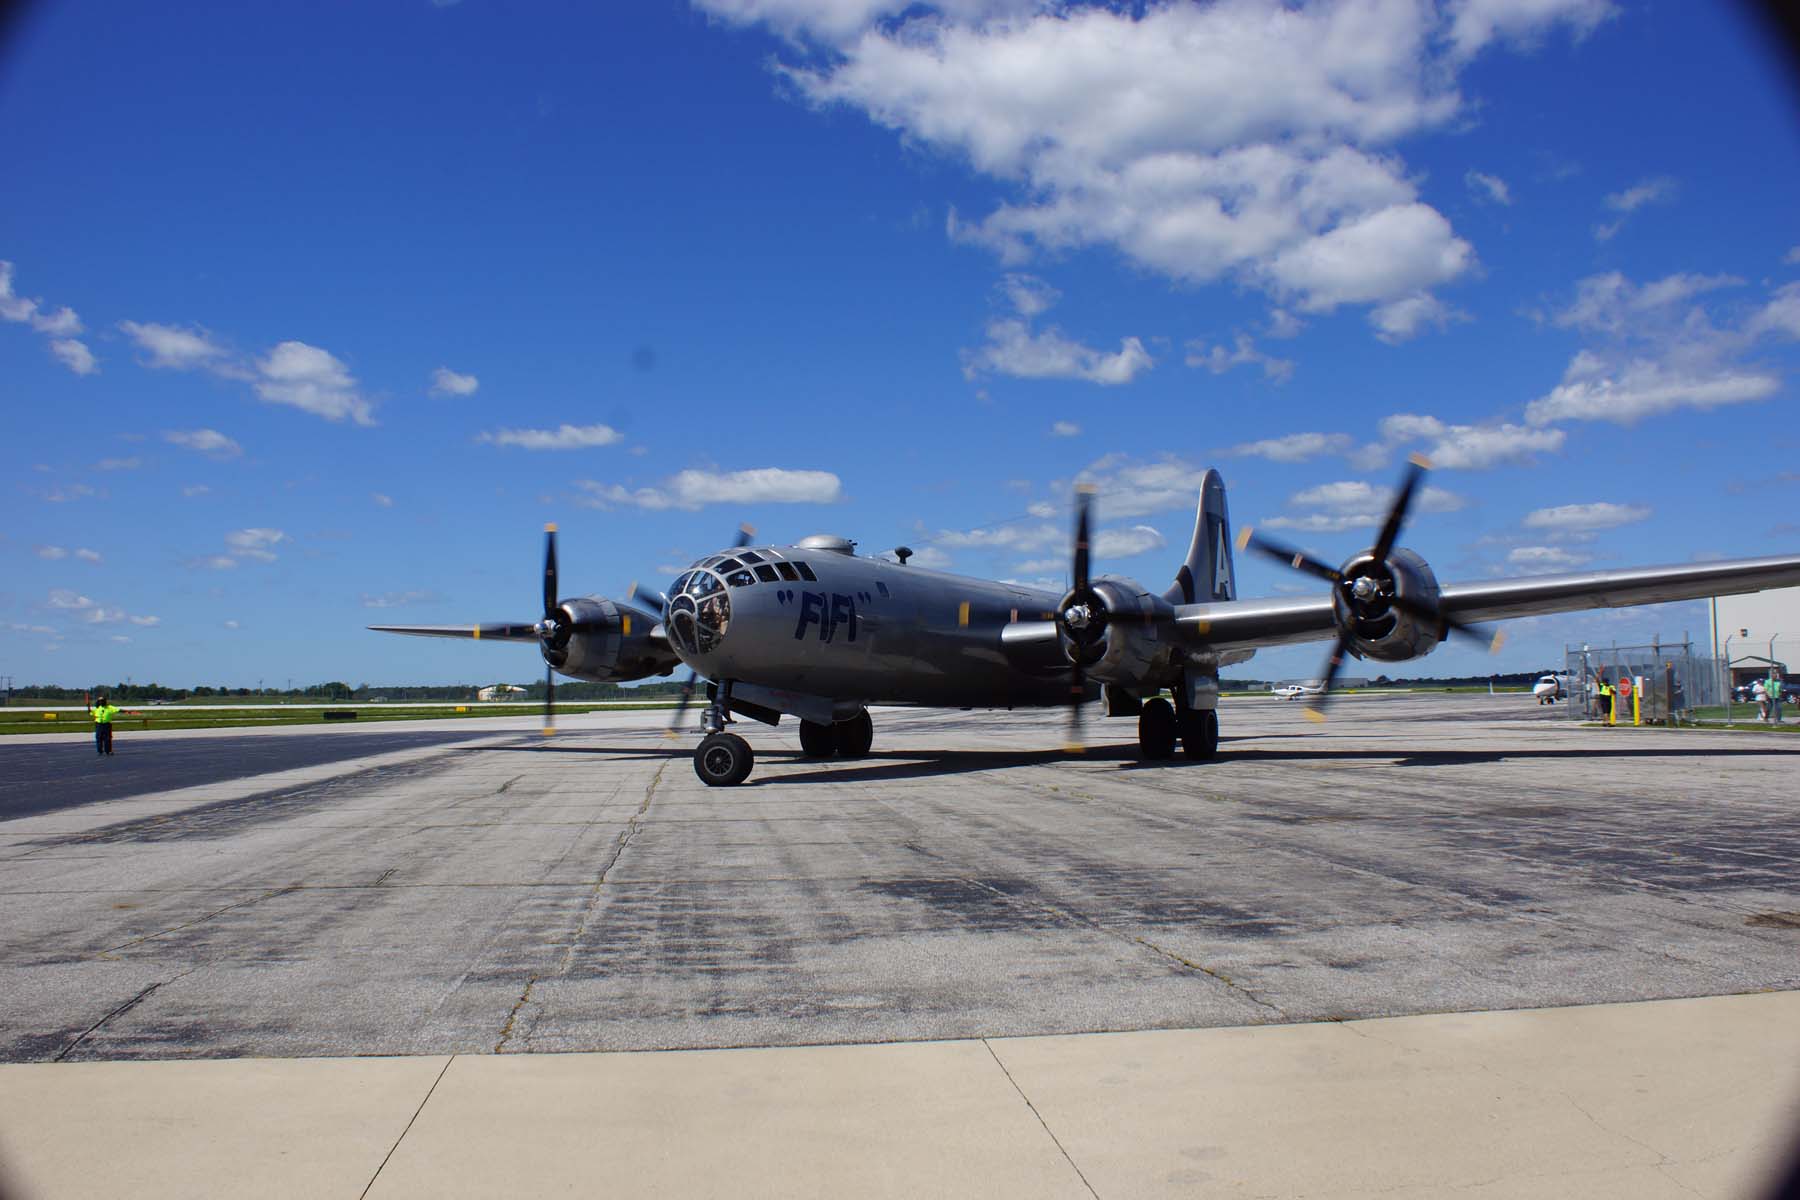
<point x="1606" y="699"/>
<point x="103" y="713"/>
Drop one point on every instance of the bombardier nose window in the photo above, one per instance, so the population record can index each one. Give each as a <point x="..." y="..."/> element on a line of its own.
<point x="699" y="612"/>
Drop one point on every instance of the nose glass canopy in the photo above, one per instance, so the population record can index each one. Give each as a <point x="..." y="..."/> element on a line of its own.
<point x="699" y="612"/>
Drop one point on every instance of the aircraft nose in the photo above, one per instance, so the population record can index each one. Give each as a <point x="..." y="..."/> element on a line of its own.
<point x="699" y="614"/>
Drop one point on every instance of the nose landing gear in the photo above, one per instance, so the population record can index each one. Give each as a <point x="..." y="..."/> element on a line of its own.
<point x="721" y="759"/>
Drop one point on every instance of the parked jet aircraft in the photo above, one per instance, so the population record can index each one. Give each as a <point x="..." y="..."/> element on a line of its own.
<point x="818" y="632"/>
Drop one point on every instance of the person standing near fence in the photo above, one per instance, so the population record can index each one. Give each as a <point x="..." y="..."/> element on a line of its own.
<point x="1776" y="689"/>
<point x="1759" y="694"/>
<point x="1606" y="699"/>
<point x="103" y="713"/>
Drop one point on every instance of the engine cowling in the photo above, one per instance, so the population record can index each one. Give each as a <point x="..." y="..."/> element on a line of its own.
<point x="1133" y="645"/>
<point x="1363" y="604"/>
<point x="606" y="642"/>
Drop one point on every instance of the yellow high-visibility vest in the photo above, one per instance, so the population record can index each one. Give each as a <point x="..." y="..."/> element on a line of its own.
<point x="104" y="713"/>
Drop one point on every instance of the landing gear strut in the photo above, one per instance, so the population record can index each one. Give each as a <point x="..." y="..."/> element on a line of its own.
<point x="722" y="759"/>
<point x="841" y="739"/>
<point x="1161" y="725"/>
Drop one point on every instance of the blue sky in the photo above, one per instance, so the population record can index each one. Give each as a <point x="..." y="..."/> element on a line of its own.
<point x="314" y="314"/>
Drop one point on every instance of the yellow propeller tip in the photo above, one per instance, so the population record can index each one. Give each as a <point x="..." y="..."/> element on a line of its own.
<point x="1072" y="748"/>
<point x="1313" y="714"/>
<point x="1499" y="641"/>
<point x="1243" y="538"/>
<point x="548" y="732"/>
<point x="1419" y="460"/>
<point x="1086" y="489"/>
<point x="747" y="530"/>
<point x="550" y="527"/>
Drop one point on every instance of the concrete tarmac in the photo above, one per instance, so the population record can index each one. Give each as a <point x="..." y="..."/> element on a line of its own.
<point x="1419" y="854"/>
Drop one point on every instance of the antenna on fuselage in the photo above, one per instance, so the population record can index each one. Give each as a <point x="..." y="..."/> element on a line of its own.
<point x="903" y="553"/>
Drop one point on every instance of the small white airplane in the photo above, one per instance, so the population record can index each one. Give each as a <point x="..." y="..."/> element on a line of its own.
<point x="1551" y="688"/>
<point x="1293" y="691"/>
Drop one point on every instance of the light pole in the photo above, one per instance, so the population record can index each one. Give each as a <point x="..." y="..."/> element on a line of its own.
<point x="1774" y="703"/>
<point x="1729" y="690"/>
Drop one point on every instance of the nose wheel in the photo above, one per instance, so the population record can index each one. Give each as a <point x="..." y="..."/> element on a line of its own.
<point x="723" y="760"/>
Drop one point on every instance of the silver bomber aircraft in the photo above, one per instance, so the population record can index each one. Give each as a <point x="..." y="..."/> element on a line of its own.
<point x="817" y="632"/>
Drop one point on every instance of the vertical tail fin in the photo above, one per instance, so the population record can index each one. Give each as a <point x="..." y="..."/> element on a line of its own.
<point x="1207" y="575"/>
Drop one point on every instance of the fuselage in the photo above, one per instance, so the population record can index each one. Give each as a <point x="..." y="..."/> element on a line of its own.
<point x="817" y="618"/>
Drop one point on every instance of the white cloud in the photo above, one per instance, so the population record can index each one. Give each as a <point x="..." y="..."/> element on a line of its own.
<point x="212" y="562"/>
<point x="1546" y="558"/>
<point x="693" y="489"/>
<point x="1592" y="391"/>
<point x="255" y="543"/>
<point x="1470" y="447"/>
<point x="1200" y="141"/>
<point x="56" y="553"/>
<point x="1029" y="295"/>
<point x="1065" y="429"/>
<point x="195" y="489"/>
<point x="1488" y="187"/>
<point x="1132" y="488"/>
<point x="69" y="601"/>
<point x="1611" y="304"/>
<point x="1354" y="504"/>
<point x="1404" y="319"/>
<point x="382" y="499"/>
<point x="397" y="599"/>
<point x="73" y="491"/>
<point x="445" y="382"/>
<point x="233" y="624"/>
<point x="1602" y="514"/>
<point x="1650" y="191"/>
<point x="1218" y="359"/>
<point x="1283" y="324"/>
<point x="60" y="326"/>
<point x="564" y="437"/>
<point x="1295" y="447"/>
<point x="1124" y="543"/>
<point x="172" y="347"/>
<point x="312" y="380"/>
<point x="1013" y="349"/>
<point x="204" y="441"/>
<point x="1780" y="315"/>
<point x="146" y="622"/>
<point x="1792" y="257"/>
<point x="1476" y="23"/>
<point x="1021" y="537"/>
<point x="75" y="356"/>
<point x="118" y="464"/>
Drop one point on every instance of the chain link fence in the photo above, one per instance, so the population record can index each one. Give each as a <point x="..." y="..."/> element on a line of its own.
<point x="1675" y="685"/>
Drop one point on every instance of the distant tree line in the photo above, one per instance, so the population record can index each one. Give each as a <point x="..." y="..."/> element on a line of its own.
<point x="335" y="690"/>
<point x="338" y="690"/>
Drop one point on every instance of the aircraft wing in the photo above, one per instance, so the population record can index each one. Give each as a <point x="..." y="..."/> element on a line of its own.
<point x="1247" y="624"/>
<point x="498" y="631"/>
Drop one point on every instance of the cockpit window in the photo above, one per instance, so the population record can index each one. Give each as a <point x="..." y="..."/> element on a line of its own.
<point x="728" y="565"/>
<point x="740" y="578"/>
<point x="787" y="572"/>
<point x="699" y="612"/>
<point x="750" y="556"/>
<point x="765" y="572"/>
<point x="806" y="573"/>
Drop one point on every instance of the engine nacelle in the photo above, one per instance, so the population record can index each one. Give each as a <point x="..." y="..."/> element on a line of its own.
<point x="1364" y="606"/>
<point x="606" y="642"/>
<point x="1137" y="645"/>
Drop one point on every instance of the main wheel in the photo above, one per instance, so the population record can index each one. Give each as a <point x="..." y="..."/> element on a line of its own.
<point x="818" y="741"/>
<point x="1200" y="733"/>
<point x="855" y="736"/>
<point x="723" y="760"/>
<point x="1156" y="729"/>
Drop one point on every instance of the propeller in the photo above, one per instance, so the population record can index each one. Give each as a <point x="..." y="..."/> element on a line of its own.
<point x="552" y="629"/>
<point x="1366" y="592"/>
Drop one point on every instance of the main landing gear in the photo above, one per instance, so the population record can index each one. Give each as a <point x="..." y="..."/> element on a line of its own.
<point x="1161" y="725"/>
<point x="724" y="759"/>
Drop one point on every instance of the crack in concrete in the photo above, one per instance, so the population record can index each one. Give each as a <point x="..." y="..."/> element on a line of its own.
<point x="201" y="920"/>
<point x="409" y="1124"/>
<point x="120" y="1011"/>
<point x="1051" y="1133"/>
<point x="627" y="835"/>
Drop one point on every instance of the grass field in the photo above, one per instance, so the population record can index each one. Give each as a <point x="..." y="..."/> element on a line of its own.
<point x="174" y="716"/>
